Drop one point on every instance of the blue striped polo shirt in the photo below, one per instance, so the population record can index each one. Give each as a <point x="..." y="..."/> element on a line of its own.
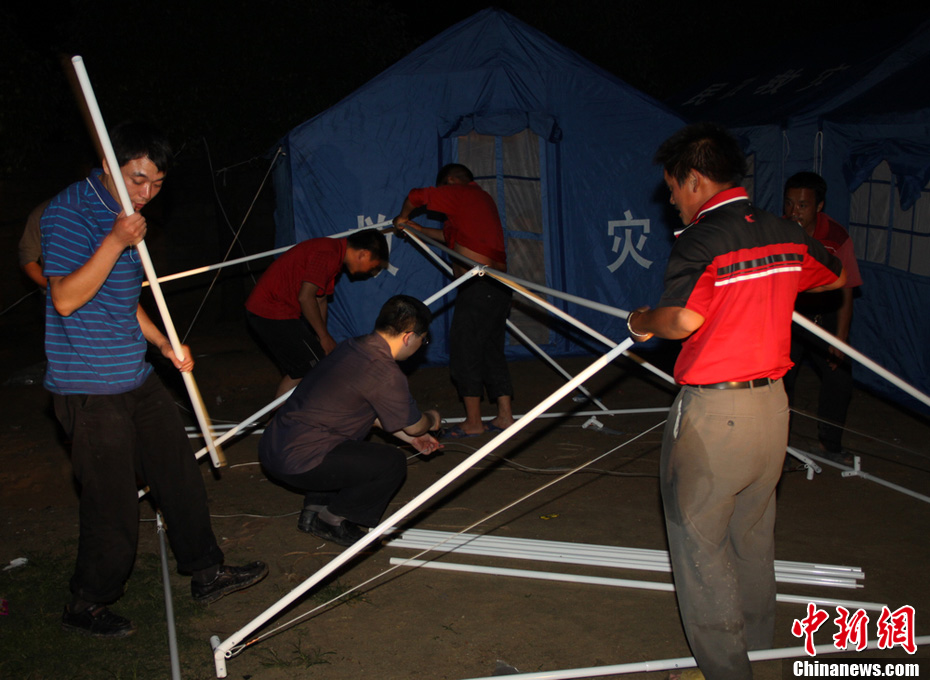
<point x="99" y="348"/>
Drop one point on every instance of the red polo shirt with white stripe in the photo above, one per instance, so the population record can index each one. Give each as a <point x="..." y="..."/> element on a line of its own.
<point x="741" y="268"/>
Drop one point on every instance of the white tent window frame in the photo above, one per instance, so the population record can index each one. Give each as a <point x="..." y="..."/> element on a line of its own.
<point x="511" y="169"/>
<point x="885" y="233"/>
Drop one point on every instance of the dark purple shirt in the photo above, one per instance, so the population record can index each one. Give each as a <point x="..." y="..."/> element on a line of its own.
<point x="338" y="401"/>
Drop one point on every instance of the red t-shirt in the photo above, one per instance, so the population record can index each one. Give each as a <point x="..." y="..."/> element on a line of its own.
<point x="741" y="269"/>
<point x="316" y="260"/>
<point x="471" y="217"/>
<point x="836" y="240"/>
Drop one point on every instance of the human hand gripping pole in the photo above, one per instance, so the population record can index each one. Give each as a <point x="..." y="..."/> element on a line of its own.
<point x="216" y="453"/>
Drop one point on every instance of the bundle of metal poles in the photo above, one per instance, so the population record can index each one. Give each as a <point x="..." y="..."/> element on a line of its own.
<point x="806" y="573"/>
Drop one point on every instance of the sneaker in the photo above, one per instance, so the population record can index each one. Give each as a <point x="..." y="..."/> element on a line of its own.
<point x="306" y="517"/>
<point x="345" y="533"/>
<point x="97" y="621"/>
<point x="229" y="580"/>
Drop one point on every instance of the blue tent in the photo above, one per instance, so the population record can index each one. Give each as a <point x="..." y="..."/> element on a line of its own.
<point x="854" y="108"/>
<point x="564" y="147"/>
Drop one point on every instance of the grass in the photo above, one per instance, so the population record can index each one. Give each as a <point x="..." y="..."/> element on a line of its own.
<point x="299" y="657"/>
<point x="35" y="648"/>
<point x="338" y="589"/>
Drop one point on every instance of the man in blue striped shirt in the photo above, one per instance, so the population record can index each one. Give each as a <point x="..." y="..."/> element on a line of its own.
<point x="122" y="423"/>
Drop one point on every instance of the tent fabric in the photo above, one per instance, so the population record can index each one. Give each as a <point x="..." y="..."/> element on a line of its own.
<point x="504" y="123"/>
<point x="841" y="108"/>
<point x="909" y="161"/>
<point x="896" y="327"/>
<point x="605" y="227"/>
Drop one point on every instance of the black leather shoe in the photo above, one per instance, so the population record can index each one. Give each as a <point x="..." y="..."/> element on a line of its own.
<point x="306" y="517"/>
<point x="97" y="621"/>
<point x="229" y="580"/>
<point x="346" y="533"/>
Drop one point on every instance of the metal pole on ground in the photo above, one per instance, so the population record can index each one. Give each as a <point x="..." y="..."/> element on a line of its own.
<point x="688" y="662"/>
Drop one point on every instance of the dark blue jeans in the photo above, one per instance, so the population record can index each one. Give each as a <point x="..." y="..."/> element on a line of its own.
<point x="119" y="442"/>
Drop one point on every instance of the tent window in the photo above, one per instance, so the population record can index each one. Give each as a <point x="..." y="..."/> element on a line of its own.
<point x="882" y="232"/>
<point x="508" y="168"/>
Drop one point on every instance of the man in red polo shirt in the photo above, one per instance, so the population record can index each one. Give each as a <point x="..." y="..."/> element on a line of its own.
<point x="476" y="338"/>
<point x="287" y="309"/>
<point x="805" y="194"/>
<point x="730" y="286"/>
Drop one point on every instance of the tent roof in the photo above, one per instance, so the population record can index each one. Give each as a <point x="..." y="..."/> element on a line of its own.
<point x="802" y="80"/>
<point x="491" y="41"/>
<point x="902" y="95"/>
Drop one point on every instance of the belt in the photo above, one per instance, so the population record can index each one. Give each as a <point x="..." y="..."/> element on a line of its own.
<point x="738" y="384"/>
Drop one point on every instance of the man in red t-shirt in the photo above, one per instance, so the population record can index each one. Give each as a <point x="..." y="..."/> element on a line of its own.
<point x="287" y="309"/>
<point x="476" y="339"/>
<point x="805" y="193"/>
<point x="730" y="286"/>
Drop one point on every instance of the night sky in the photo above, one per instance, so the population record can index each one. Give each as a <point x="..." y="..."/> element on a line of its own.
<point x="238" y="75"/>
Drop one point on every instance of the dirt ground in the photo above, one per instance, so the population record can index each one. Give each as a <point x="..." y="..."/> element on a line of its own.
<point x="433" y="624"/>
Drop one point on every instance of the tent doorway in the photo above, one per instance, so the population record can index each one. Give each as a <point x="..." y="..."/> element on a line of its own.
<point x="509" y="168"/>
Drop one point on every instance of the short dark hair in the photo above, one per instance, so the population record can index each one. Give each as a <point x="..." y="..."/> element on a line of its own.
<point x="708" y="148"/>
<point x="456" y="170"/>
<point x="403" y="313"/>
<point x="140" y="139"/>
<point x="371" y="240"/>
<point x="808" y="180"/>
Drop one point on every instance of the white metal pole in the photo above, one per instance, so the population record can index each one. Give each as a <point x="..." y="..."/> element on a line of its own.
<point x="169" y="602"/>
<point x="256" y="256"/>
<point x="598" y="555"/>
<point x="860" y="357"/>
<point x="510" y="325"/>
<point x="528" y="341"/>
<point x="613" y="582"/>
<point x="590" y="304"/>
<point x="223" y="650"/>
<point x="193" y="392"/>
<point x="452" y="286"/>
<point x="855" y="471"/>
<point x="422" y="242"/>
<point x="545" y="304"/>
<point x="459" y="419"/>
<point x="220" y="265"/>
<point x="684" y="662"/>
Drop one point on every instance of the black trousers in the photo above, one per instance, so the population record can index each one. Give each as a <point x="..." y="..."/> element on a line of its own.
<point x="356" y="480"/>
<point x="476" y="339"/>
<point x="117" y="442"/>
<point x="836" y="385"/>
